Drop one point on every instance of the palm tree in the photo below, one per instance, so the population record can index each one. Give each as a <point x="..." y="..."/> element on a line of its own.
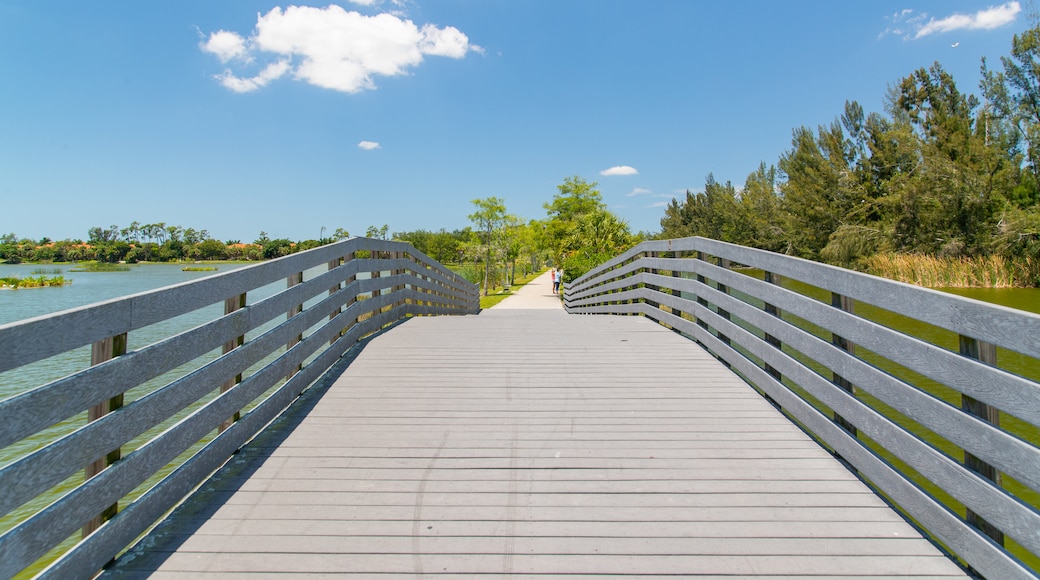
<point x="601" y="233"/>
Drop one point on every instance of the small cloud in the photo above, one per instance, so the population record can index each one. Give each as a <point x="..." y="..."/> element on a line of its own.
<point x="909" y="25"/>
<point x="225" y="45"/>
<point x="241" y="85"/>
<point x="447" y="41"/>
<point x="638" y="191"/>
<point x="620" y="170"/>
<point x="659" y="204"/>
<point x="988" y="19"/>
<point x="369" y="145"/>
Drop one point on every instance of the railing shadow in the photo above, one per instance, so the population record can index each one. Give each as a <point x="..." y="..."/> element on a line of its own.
<point x="148" y="555"/>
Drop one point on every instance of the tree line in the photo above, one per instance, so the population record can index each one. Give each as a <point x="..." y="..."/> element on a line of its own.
<point x="150" y="243"/>
<point x="939" y="173"/>
<point x="577" y="233"/>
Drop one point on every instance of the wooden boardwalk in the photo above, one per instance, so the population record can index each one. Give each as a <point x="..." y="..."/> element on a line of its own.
<point x="529" y="442"/>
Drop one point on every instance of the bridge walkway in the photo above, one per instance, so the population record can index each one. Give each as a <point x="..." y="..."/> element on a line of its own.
<point x="525" y="442"/>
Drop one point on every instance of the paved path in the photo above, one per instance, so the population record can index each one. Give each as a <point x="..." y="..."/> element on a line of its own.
<point x="527" y="442"/>
<point x="535" y="295"/>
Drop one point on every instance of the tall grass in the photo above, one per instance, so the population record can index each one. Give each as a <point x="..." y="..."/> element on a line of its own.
<point x="101" y="267"/>
<point x="33" y="282"/>
<point x="471" y="272"/>
<point x="944" y="272"/>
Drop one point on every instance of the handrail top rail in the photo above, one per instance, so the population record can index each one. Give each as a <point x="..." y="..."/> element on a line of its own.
<point x="861" y="381"/>
<point x="1013" y="329"/>
<point x="146" y="408"/>
<point x="334" y="250"/>
<point x="125" y="313"/>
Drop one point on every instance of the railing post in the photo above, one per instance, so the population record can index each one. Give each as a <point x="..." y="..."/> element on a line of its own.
<point x="400" y="287"/>
<point x="676" y="255"/>
<point x="986" y="353"/>
<point x="415" y="274"/>
<point x="293" y="280"/>
<point x="431" y="291"/>
<point x="845" y="303"/>
<point x="700" y="299"/>
<point x="377" y="274"/>
<point x="101" y="351"/>
<point x="675" y="291"/>
<point x="723" y="263"/>
<point x="424" y="290"/>
<point x="653" y="303"/>
<point x="618" y="302"/>
<point x="631" y="301"/>
<point x="333" y="264"/>
<point x="770" y="309"/>
<point x="230" y="305"/>
<point x="351" y="298"/>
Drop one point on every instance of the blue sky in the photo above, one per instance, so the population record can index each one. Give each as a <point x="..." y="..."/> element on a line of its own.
<point x="248" y="116"/>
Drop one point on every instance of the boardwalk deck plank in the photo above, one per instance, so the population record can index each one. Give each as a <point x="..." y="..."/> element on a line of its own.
<point x="557" y="545"/>
<point x="493" y="564"/>
<point x="831" y="531"/>
<point x="531" y="443"/>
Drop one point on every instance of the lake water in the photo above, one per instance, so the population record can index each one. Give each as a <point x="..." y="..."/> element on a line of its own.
<point x="1027" y="299"/>
<point x="87" y="287"/>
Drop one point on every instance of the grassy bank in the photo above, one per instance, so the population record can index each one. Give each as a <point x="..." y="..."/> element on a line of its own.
<point x="500" y="293"/>
<point x="941" y="272"/>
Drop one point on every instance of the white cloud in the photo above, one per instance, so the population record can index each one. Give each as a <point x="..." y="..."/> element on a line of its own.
<point x="638" y="191"/>
<point x="335" y="49"/>
<point x="448" y="41"/>
<point x="659" y="204"/>
<point x="225" y="45"/>
<point x="246" y="85"/>
<point x="992" y="17"/>
<point x="620" y="170"/>
<point x="911" y="25"/>
<point x="369" y="145"/>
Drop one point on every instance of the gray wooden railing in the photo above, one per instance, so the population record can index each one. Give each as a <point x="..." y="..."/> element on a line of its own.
<point x="942" y="431"/>
<point x="233" y="386"/>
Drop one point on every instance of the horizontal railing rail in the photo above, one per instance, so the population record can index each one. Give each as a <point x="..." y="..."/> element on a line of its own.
<point x="150" y="422"/>
<point x="932" y="398"/>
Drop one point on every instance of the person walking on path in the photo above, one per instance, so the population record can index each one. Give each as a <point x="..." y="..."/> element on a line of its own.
<point x="556" y="280"/>
<point x="534" y="295"/>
